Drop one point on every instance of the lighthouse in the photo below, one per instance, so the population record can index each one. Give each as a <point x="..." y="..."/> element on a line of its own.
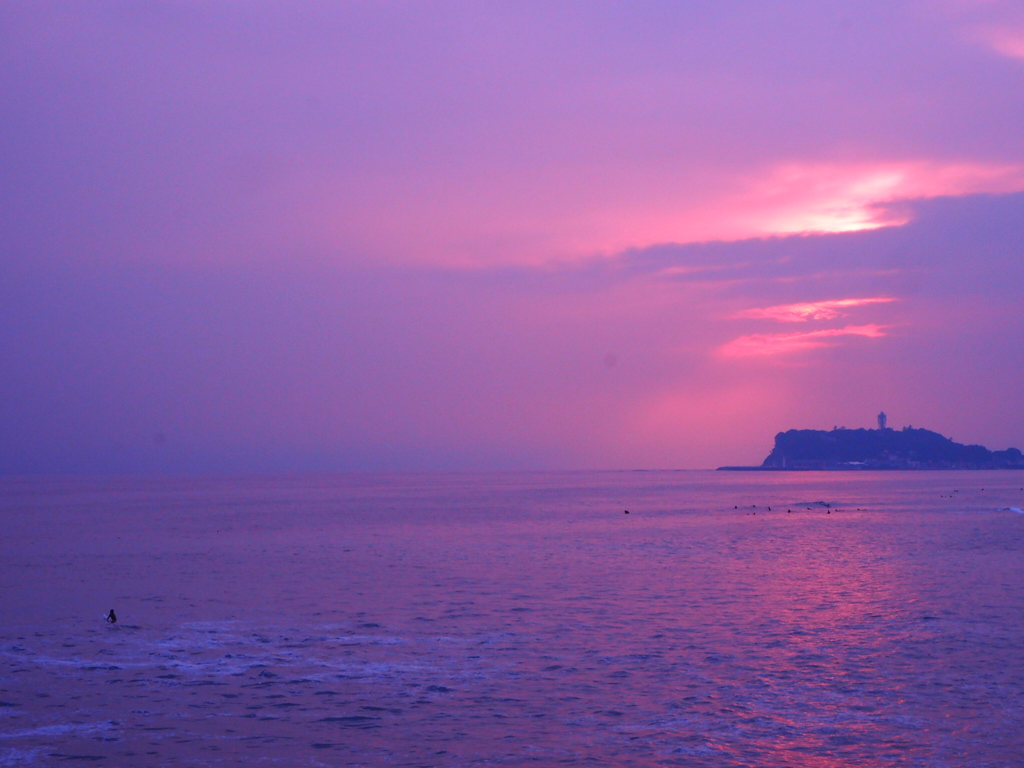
<point x="881" y="420"/>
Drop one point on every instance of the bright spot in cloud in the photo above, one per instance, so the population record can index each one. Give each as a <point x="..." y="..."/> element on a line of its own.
<point x="815" y="310"/>
<point x="796" y="199"/>
<point x="468" y="226"/>
<point x="768" y="344"/>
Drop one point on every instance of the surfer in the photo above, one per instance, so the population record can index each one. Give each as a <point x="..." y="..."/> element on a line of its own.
<point x="111" y="617"/>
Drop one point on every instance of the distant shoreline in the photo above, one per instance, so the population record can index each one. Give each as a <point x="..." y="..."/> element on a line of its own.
<point x="863" y="469"/>
<point x="851" y="450"/>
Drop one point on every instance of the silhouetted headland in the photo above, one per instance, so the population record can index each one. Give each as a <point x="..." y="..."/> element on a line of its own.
<point x="882" y="448"/>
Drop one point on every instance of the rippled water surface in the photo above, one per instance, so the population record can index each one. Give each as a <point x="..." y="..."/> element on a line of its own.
<point x="865" y="619"/>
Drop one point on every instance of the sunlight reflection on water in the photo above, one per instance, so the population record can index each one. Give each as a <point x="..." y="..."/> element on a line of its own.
<point x="505" y="619"/>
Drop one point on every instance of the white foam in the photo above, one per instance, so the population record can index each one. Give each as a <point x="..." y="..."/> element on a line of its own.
<point x="59" y="730"/>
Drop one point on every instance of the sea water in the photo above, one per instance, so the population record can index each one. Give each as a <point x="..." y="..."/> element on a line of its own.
<point x="730" y="619"/>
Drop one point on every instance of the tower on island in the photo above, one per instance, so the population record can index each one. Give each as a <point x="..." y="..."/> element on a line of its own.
<point x="881" y="420"/>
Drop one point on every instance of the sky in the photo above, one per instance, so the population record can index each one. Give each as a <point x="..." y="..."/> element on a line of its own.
<point x="374" y="235"/>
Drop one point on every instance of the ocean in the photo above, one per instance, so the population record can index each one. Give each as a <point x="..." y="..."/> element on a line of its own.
<point x="730" y="619"/>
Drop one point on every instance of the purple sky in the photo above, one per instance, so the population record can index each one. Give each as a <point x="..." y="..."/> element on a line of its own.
<point x="253" y="236"/>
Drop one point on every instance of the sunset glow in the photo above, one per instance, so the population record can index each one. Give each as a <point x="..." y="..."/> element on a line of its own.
<point x="768" y="344"/>
<point x="465" y="384"/>
<point x="815" y="310"/>
<point x="361" y="235"/>
<point x="801" y="199"/>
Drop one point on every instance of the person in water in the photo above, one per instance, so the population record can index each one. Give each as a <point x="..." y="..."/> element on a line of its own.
<point x="111" y="617"/>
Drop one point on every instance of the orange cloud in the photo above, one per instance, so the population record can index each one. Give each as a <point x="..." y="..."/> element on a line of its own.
<point x="815" y="310"/>
<point x="767" y="344"/>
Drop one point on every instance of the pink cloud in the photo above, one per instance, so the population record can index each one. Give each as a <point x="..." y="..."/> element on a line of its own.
<point x="461" y="223"/>
<point x="821" y="198"/>
<point x="996" y="24"/>
<point x="1008" y="42"/>
<point x="767" y="344"/>
<point x="815" y="310"/>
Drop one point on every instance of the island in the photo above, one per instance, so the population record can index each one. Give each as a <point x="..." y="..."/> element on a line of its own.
<point x="883" y="448"/>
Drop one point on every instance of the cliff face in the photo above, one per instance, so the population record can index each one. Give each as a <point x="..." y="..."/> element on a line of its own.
<point x="882" y="449"/>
